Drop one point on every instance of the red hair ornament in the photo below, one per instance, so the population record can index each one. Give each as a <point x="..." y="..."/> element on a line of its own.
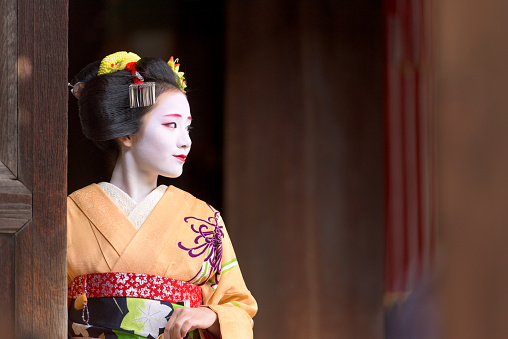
<point x="141" y="94"/>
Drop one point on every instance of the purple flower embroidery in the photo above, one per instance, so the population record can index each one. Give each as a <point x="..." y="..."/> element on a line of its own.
<point x="209" y="238"/>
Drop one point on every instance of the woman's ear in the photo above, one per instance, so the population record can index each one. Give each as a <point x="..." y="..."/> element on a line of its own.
<point x="126" y="141"/>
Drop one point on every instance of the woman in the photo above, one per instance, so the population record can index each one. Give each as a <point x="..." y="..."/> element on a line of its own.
<point x="147" y="261"/>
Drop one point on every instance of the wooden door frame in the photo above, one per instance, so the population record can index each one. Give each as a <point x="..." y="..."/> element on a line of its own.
<point x="33" y="169"/>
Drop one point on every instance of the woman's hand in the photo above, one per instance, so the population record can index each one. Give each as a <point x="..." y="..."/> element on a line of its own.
<point x="184" y="320"/>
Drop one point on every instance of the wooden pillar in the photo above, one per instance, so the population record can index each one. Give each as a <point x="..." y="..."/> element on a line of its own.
<point x="33" y="164"/>
<point x="304" y="163"/>
<point x="472" y="120"/>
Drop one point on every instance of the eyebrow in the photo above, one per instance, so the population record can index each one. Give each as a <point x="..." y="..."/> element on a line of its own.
<point x="176" y="115"/>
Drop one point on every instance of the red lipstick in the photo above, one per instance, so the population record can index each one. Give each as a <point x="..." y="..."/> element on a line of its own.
<point x="181" y="157"/>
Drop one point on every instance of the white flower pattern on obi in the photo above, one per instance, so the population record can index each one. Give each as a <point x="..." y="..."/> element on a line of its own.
<point x="145" y="317"/>
<point x="141" y="279"/>
<point x="144" y="292"/>
<point x="132" y="292"/>
<point x="107" y="288"/>
<point x="167" y="290"/>
<point x="157" y="280"/>
<point x="121" y="278"/>
<point x="95" y="281"/>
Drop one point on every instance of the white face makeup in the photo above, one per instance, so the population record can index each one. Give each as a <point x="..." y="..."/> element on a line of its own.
<point x="163" y="143"/>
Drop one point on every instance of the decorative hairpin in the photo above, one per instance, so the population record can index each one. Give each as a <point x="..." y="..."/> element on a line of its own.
<point x="176" y="67"/>
<point x="141" y="94"/>
<point x="77" y="89"/>
<point x="117" y="62"/>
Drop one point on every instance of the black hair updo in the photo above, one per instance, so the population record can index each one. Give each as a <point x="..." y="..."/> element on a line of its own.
<point x="104" y="109"/>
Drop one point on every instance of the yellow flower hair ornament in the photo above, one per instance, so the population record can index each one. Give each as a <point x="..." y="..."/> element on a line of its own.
<point x="116" y="62"/>
<point x="141" y="93"/>
<point x="176" y="67"/>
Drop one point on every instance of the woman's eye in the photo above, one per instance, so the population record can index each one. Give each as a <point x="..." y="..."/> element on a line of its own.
<point x="170" y="124"/>
<point x="189" y="128"/>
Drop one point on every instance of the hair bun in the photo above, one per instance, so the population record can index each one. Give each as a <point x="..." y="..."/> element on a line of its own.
<point x="87" y="73"/>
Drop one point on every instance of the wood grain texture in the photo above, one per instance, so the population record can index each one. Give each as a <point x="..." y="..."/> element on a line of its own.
<point x="7" y="285"/>
<point x="41" y="284"/>
<point x="15" y="202"/>
<point x="304" y="164"/>
<point x="26" y="97"/>
<point x="8" y="90"/>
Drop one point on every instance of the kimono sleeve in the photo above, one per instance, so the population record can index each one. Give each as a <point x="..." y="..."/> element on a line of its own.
<point x="229" y="298"/>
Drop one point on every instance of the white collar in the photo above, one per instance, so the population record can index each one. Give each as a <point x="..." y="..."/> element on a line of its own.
<point x="136" y="213"/>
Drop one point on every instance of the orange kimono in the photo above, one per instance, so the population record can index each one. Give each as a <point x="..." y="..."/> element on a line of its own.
<point x="182" y="238"/>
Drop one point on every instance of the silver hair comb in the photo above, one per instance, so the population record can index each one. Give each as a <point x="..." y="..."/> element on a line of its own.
<point x="142" y="95"/>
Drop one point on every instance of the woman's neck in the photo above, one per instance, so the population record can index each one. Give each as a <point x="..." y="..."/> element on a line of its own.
<point x="130" y="178"/>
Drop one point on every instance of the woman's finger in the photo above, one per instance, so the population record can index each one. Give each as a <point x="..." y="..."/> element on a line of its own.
<point x="180" y="323"/>
<point x="184" y="320"/>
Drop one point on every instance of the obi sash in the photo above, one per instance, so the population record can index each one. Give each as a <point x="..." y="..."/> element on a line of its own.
<point x="127" y="305"/>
